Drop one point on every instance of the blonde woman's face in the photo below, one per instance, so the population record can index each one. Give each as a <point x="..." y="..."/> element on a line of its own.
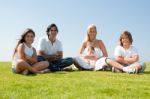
<point x="29" y="38"/>
<point x="92" y="34"/>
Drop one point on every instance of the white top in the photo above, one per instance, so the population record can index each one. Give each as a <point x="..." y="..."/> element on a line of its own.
<point x="120" y="51"/>
<point x="46" y="46"/>
<point x="27" y="50"/>
<point x="98" y="52"/>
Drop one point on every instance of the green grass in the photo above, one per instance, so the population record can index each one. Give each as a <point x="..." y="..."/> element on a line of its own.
<point x="74" y="85"/>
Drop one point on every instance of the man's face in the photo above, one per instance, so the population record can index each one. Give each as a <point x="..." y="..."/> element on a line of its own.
<point x="52" y="33"/>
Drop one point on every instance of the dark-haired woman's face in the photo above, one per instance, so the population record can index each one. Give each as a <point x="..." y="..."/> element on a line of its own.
<point x="29" y="38"/>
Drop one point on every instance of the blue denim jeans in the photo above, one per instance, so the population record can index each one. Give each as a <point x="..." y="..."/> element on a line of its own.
<point x="58" y="64"/>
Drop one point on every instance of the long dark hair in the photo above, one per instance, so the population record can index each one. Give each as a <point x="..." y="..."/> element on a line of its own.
<point x="22" y="39"/>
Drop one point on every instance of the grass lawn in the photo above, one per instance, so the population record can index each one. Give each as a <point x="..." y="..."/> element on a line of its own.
<point x="74" y="85"/>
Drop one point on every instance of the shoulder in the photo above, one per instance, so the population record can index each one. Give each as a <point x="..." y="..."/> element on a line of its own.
<point x="118" y="47"/>
<point x="84" y="43"/>
<point x="43" y="38"/>
<point x="98" y="40"/>
<point x="133" y="48"/>
<point x="58" y="42"/>
<point x="33" y="48"/>
<point x="100" y="43"/>
<point x="21" y="45"/>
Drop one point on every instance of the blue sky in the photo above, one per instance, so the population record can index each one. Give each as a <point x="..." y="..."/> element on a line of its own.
<point x="72" y="18"/>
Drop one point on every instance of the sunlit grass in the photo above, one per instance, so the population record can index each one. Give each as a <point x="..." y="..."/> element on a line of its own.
<point x="74" y="85"/>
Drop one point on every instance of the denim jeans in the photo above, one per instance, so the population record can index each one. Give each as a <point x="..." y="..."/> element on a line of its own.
<point x="58" y="64"/>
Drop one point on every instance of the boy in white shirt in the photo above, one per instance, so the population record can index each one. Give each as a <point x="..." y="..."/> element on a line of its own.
<point x="126" y="56"/>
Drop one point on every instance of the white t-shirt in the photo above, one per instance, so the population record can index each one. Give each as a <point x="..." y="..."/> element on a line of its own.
<point x="120" y="51"/>
<point x="46" y="46"/>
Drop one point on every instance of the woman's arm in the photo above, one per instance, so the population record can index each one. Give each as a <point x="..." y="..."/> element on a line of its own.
<point x="83" y="46"/>
<point x="20" y="51"/>
<point x="33" y="59"/>
<point x="103" y="48"/>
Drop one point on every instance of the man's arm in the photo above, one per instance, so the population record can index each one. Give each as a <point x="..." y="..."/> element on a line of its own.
<point x="53" y="57"/>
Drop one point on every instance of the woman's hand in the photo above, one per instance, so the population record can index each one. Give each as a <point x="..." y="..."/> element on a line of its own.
<point x="91" y="57"/>
<point x="30" y="59"/>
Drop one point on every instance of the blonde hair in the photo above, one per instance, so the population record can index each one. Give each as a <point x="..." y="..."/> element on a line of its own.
<point x="88" y="31"/>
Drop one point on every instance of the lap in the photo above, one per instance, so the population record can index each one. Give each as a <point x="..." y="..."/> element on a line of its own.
<point x="82" y="63"/>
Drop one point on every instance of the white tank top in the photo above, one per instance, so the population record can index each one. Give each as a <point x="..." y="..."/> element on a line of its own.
<point x="27" y="50"/>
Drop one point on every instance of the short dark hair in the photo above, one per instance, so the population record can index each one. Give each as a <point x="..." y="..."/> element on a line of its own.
<point x="50" y="26"/>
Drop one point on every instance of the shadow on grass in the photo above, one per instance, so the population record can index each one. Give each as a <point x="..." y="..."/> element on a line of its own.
<point x="28" y="74"/>
<point x="147" y="72"/>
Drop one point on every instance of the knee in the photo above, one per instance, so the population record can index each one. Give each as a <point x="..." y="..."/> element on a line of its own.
<point x="70" y="60"/>
<point x="139" y="66"/>
<point x="46" y="63"/>
<point x="20" y="61"/>
<point x="108" y="61"/>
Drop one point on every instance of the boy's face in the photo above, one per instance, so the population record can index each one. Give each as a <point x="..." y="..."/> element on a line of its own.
<point x="125" y="40"/>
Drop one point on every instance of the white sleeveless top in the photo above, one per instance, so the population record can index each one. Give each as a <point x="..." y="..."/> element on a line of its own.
<point x="98" y="52"/>
<point x="27" y="50"/>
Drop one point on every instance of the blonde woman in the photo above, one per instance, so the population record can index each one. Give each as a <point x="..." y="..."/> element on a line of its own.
<point x="99" y="48"/>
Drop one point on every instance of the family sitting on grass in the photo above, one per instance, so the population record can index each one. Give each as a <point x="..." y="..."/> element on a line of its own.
<point x="92" y="56"/>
